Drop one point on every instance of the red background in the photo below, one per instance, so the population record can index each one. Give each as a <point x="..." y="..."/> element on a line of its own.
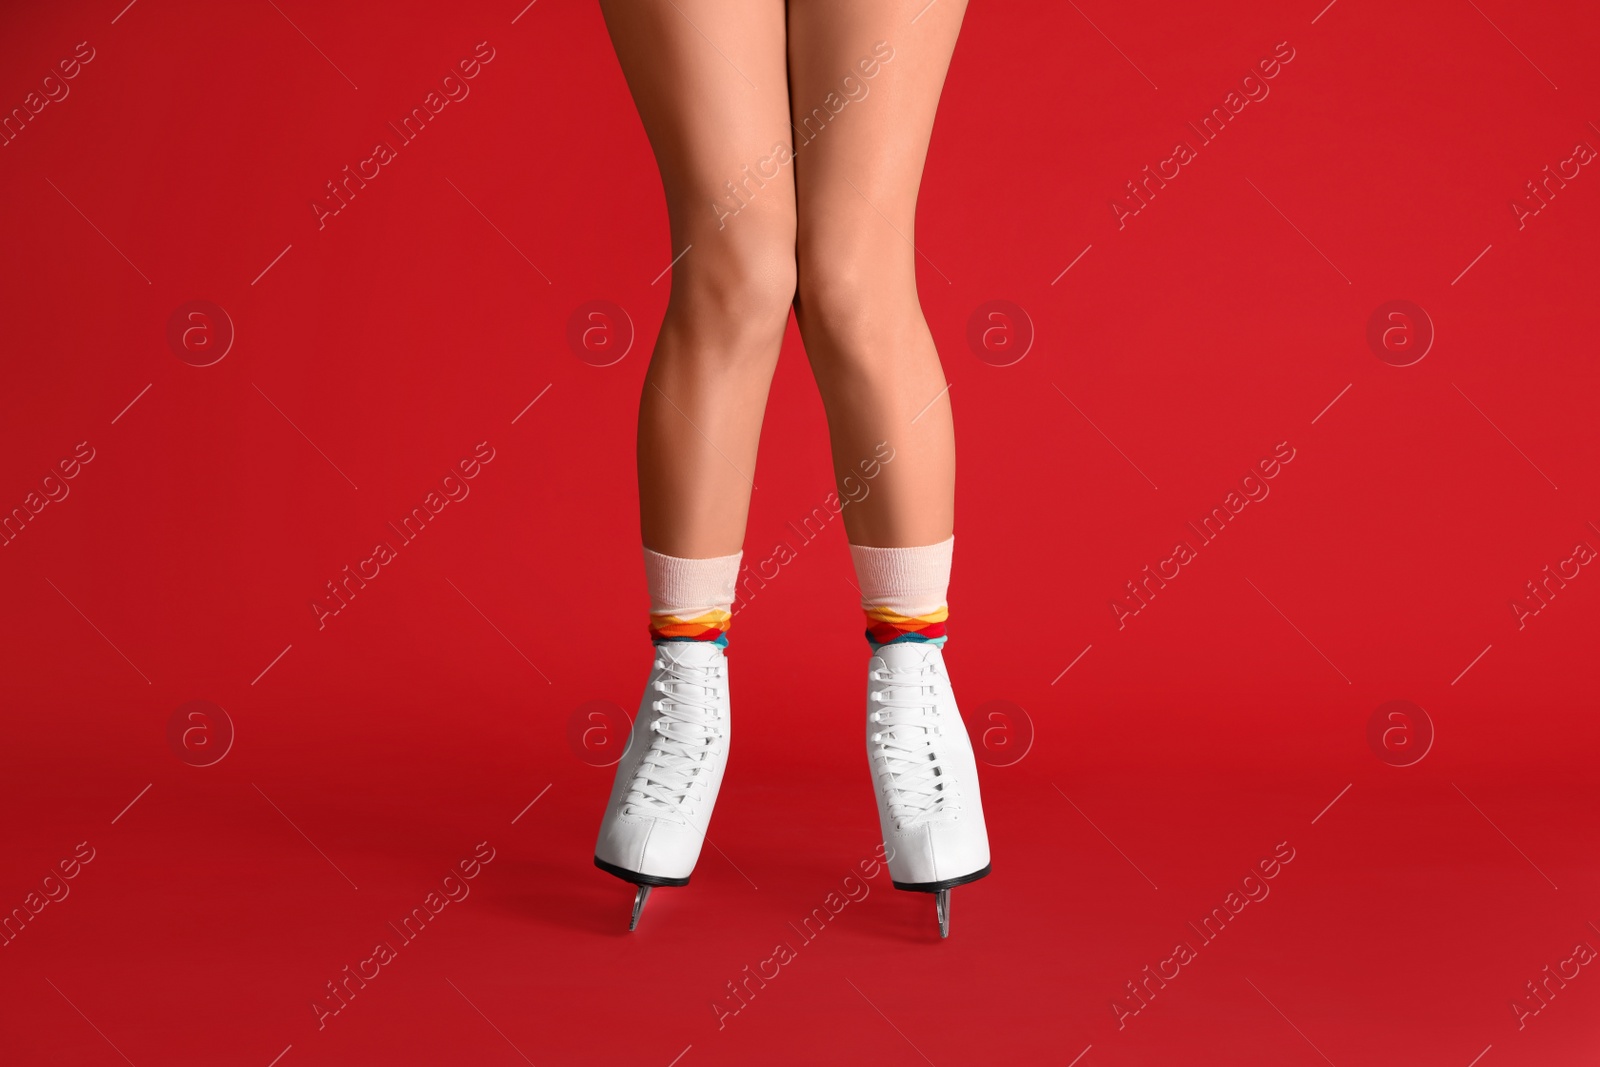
<point x="424" y="718"/>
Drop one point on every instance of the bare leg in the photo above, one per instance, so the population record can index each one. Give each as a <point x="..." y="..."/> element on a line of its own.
<point x="710" y="81"/>
<point x="858" y="168"/>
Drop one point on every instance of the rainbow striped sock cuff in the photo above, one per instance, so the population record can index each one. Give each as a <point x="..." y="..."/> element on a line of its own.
<point x="885" y="626"/>
<point x="711" y="626"/>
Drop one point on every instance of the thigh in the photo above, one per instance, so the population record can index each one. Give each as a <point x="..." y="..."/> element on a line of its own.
<point x="865" y="79"/>
<point x="710" y="81"/>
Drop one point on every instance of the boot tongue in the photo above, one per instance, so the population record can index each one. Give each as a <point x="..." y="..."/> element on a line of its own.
<point x="908" y="682"/>
<point x="909" y="670"/>
<point x="691" y="653"/>
<point x="688" y="683"/>
<point x="905" y="655"/>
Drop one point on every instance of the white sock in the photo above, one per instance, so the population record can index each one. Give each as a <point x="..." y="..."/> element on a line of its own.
<point x="691" y="599"/>
<point x="903" y="591"/>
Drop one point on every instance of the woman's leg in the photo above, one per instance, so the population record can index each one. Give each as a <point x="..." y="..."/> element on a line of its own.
<point x="710" y="81"/>
<point x="865" y="78"/>
<point x="865" y="82"/>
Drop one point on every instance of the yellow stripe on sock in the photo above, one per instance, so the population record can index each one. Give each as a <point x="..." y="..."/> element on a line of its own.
<point x="909" y="622"/>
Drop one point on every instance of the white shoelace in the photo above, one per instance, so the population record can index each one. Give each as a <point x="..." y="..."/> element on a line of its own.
<point x="907" y="717"/>
<point x="684" y="741"/>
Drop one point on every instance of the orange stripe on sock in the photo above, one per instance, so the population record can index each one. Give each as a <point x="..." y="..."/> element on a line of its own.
<point x="706" y="627"/>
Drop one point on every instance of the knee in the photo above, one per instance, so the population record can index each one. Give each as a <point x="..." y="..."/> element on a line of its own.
<point x="857" y="308"/>
<point x="732" y="294"/>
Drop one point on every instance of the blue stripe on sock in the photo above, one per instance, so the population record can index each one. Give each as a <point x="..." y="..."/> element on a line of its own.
<point x="721" y="640"/>
<point x="912" y="638"/>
